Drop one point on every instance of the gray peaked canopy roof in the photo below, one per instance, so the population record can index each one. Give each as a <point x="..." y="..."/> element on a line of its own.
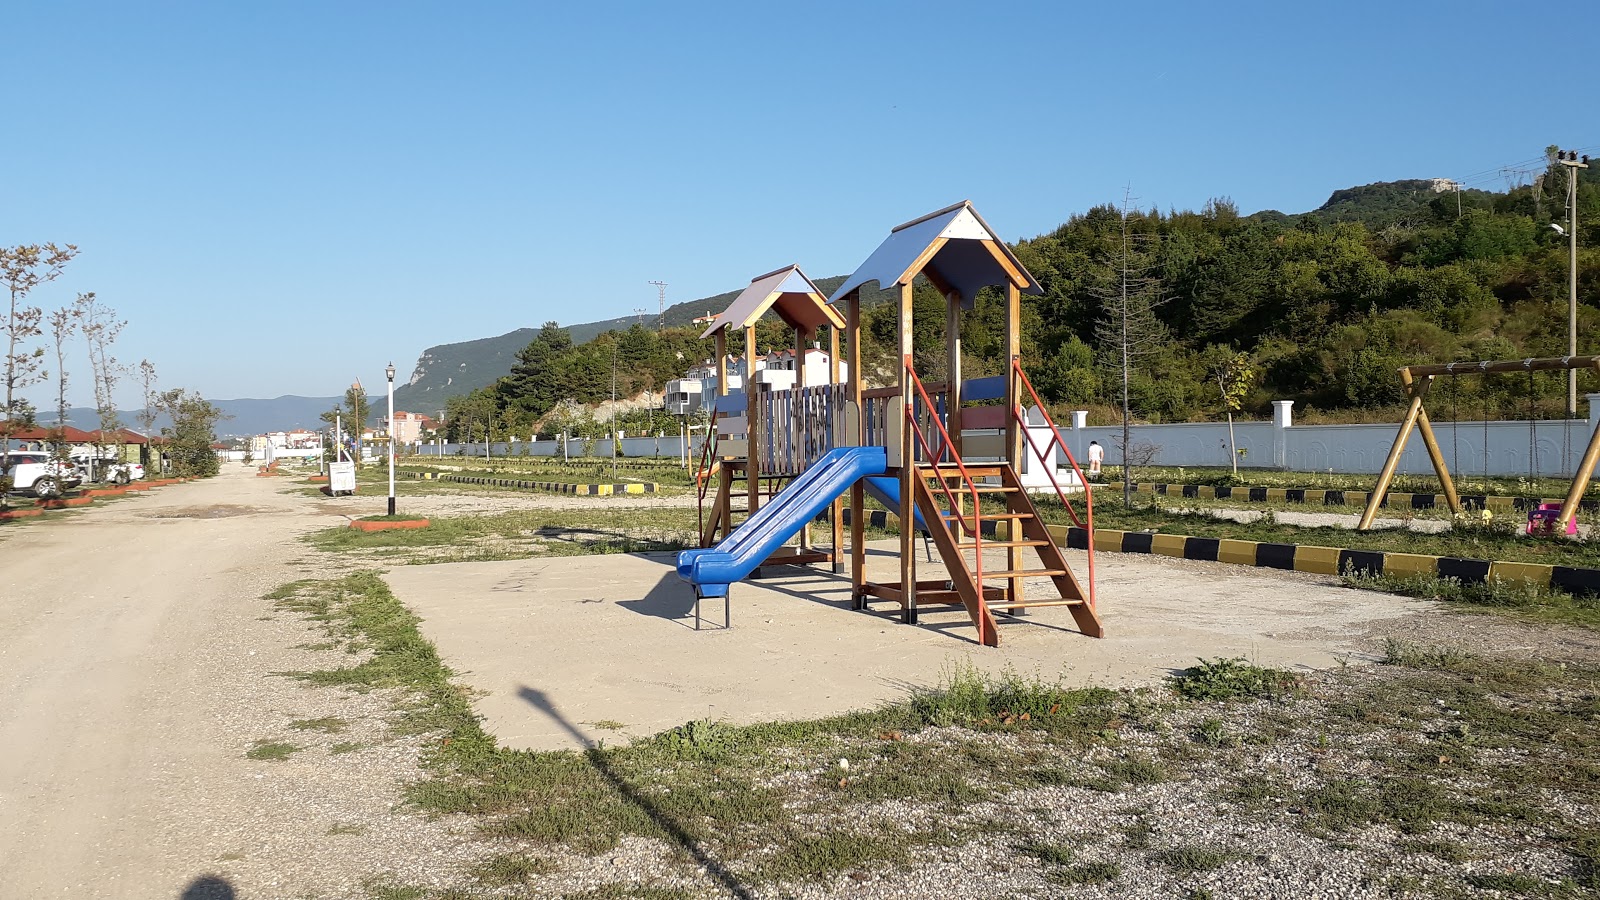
<point x="788" y="291"/>
<point x="954" y="247"/>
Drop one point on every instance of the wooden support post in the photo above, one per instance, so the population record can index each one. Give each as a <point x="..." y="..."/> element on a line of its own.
<point x="858" y="511"/>
<point x="799" y="448"/>
<point x="908" y="466"/>
<point x="1014" y="434"/>
<point x="1580" y="482"/>
<point x="1417" y="391"/>
<point x="835" y="411"/>
<point x="1436" y="456"/>
<point x="724" y="502"/>
<point x="722" y="362"/>
<point x="754" y="427"/>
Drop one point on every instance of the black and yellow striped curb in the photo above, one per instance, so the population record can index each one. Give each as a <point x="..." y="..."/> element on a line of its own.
<point x="1329" y="560"/>
<point x="1393" y="500"/>
<point x="553" y="487"/>
<point x="1300" y="557"/>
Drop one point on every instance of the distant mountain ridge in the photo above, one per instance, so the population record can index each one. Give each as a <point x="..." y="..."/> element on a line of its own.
<point x="246" y="416"/>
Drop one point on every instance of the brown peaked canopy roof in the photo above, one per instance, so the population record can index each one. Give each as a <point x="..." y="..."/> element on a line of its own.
<point x="789" y="293"/>
<point x="954" y="247"/>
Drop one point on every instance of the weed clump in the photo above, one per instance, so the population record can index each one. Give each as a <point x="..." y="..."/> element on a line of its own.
<point x="1229" y="679"/>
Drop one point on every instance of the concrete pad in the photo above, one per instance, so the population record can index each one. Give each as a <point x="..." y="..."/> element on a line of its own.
<point x="554" y="645"/>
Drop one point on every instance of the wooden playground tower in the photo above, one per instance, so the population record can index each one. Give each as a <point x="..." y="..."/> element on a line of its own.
<point x="952" y="465"/>
<point x="1417" y="380"/>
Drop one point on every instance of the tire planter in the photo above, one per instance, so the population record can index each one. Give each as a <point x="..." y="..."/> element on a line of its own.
<point x="106" y="492"/>
<point x="318" y="479"/>
<point x="403" y="524"/>
<point x="20" y="514"/>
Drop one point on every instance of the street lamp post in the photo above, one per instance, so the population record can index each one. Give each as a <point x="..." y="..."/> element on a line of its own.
<point x="390" y="372"/>
<point x="1570" y="160"/>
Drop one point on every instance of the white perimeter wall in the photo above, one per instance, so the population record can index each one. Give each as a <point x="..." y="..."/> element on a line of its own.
<point x="1279" y="444"/>
<point x="1468" y="447"/>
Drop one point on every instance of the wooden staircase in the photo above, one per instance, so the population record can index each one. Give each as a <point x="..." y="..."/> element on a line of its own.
<point x="962" y="541"/>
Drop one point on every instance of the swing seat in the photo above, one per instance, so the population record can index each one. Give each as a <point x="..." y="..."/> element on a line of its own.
<point x="1542" y="520"/>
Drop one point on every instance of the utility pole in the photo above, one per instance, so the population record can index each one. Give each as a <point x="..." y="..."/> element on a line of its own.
<point x="1569" y="159"/>
<point x="614" y="439"/>
<point x="661" y="299"/>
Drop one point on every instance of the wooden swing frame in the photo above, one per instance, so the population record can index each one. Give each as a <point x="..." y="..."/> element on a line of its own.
<point x="1418" y="379"/>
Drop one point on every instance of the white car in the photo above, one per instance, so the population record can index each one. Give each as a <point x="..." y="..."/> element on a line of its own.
<point x="109" y="469"/>
<point x="35" y="471"/>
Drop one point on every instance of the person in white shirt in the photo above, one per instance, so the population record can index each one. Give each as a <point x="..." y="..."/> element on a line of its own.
<point x="1097" y="455"/>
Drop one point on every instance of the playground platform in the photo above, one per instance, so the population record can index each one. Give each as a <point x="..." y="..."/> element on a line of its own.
<point x="561" y="651"/>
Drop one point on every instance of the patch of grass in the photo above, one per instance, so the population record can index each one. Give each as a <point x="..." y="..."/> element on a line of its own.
<point x="271" y="750"/>
<point x="1051" y="854"/>
<point x="344" y="747"/>
<point x="326" y="725"/>
<point x="1229" y="679"/>
<point x="609" y="725"/>
<point x="508" y="869"/>
<point x="1195" y="858"/>
<point x="1086" y="873"/>
<point x="804" y="855"/>
<point x="971" y="699"/>
<point x="1121" y="772"/>
<point x="347" y="828"/>
<point x="520" y="534"/>
<point x="1533" y="601"/>
<point x="632" y="892"/>
<point x="1447" y="851"/>
<point x="1211" y="732"/>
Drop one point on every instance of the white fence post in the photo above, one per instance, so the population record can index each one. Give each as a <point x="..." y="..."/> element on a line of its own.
<point x="1282" y="419"/>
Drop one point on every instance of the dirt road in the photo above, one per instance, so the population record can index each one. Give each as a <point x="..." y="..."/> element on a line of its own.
<point x="136" y="672"/>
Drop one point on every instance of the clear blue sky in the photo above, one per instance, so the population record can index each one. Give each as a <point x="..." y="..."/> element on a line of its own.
<point x="282" y="197"/>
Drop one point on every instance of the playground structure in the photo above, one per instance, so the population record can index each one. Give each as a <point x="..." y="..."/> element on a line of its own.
<point x="1417" y="381"/>
<point x="927" y="452"/>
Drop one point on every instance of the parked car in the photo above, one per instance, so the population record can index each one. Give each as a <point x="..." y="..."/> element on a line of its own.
<point x="36" y="472"/>
<point x="108" y="469"/>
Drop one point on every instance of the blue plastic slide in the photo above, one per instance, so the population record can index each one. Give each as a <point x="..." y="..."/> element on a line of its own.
<point x="886" y="490"/>
<point x="712" y="571"/>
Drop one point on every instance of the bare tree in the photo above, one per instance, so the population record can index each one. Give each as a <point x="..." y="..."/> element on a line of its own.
<point x="147" y="415"/>
<point x="63" y="325"/>
<point x="101" y="327"/>
<point x="1128" y="325"/>
<point x="23" y="268"/>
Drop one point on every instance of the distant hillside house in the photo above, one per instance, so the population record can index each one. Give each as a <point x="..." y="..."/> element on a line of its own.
<point x="774" y="371"/>
<point x="408" y="427"/>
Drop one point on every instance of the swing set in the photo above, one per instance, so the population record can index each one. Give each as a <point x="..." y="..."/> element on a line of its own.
<point x="1418" y="379"/>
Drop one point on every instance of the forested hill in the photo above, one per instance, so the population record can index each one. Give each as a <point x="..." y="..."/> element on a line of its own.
<point x="1324" y="304"/>
<point x="453" y="370"/>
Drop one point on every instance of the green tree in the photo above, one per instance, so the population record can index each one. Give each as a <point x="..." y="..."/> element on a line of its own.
<point x="1233" y="372"/>
<point x="192" y="432"/>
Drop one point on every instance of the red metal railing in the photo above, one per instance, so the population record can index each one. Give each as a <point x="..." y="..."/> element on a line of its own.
<point x="1087" y="523"/>
<point x="967" y="481"/>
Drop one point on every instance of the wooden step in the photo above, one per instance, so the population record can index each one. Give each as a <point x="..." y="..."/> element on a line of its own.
<point x="997" y="544"/>
<point x="1025" y="573"/>
<point x="1026" y="604"/>
<point x="949" y="470"/>
<point x="985" y="517"/>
